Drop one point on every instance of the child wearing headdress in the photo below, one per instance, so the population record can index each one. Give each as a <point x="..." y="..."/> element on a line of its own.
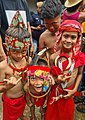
<point x="38" y="87"/>
<point x="67" y="66"/>
<point x="13" y="69"/>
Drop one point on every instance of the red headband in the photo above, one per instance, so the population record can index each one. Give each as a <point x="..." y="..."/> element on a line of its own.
<point x="40" y="71"/>
<point x="70" y="25"/>
<point x="43" y="68"/>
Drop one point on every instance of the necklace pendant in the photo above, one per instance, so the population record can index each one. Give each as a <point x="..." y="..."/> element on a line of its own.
<point x="64" y="84"/>
<point x="36" y="99"/>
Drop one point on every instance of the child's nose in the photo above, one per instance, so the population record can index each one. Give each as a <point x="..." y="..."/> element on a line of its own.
<point x="19" y="55"/>
<point x="37" y="80"/>
<point x="68" y="39"/>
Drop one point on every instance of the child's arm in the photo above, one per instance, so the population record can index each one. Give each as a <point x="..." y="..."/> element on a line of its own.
<point x="77" y="82"/>
<point x="28" y="100"/>
<point x="45" y="102"/>
<point x="79" y="77"/>
<point x="2" y="53"/>
<point x="8" y="84"/>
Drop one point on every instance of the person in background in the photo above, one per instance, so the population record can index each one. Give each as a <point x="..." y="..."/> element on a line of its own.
<point x="73" y="10"/>
<point x="7" y="10"/>
<point x="51" y="13"/>
<point x="37" y="25"/>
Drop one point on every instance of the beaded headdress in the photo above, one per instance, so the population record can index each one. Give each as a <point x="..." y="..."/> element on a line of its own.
<point x="41" y="72"/>
<point x="13" y="42"/>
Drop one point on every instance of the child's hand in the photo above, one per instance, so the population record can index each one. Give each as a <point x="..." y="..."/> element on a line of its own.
<point x="11" y="81"/>
<point x="52" y="80"/>
<point x="62" y="78"/>
<point x="69" y="94"/>
<point x="39" y="27"/>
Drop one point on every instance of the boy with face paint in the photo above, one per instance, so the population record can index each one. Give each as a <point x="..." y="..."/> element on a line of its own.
<point x="67" y="66"/>
<point x="13" y="69"/>
<point x="38" y="87"/>
<point x="51" y="13"/>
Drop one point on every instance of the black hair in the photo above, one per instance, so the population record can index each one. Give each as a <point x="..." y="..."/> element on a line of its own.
<point x="51" y="9"/>
<point x="42" y="62"/>
<point x="17" y="32"/>
<point x="62" y="1"/>
<point x="73" y="8"/>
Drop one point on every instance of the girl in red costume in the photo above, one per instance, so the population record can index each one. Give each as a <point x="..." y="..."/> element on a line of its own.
<point x="67" y="66"/>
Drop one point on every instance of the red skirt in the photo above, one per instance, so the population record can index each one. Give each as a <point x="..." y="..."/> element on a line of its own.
<point x="63" y="109"/>
<point x="13" y="108"/>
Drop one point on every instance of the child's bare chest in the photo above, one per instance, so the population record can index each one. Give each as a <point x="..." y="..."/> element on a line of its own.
<point x="50" y="42"/>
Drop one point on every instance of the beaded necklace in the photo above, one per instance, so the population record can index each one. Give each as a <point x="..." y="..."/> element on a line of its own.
<point x="69" y="67"/>
<point x="22" y="71"/>
<point x="41" y="96"/>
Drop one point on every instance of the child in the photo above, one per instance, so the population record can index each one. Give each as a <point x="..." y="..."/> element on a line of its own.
<point x="51" y="13"/>
<point x="68" y="66"/>
<point x="15" y="65"/>
<point x="38" y="87"/>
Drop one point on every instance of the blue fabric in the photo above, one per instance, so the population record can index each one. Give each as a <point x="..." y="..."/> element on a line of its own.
<point x="35" y="45"/>
<point x="36" y="20"/>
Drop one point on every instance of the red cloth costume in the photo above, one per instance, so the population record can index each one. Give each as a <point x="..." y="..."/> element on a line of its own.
<point x="13" y="108"/>
<point x="38" y="101"/>
<point x="41" y="72"/>
<point x="63" y="109"/>
<point x="60" y="110"/>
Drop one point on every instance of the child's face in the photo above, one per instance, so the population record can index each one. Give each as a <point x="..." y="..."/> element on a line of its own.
<point x="37" y="83"/>
<point x="69" y="39"/>
<point x="53" y="24"/>
<point x="17" y="55"/>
